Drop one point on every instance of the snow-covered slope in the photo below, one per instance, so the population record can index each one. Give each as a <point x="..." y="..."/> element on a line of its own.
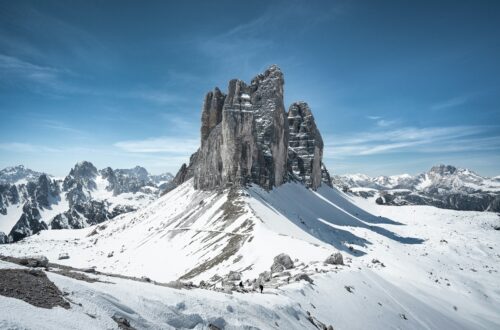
<point x="411" y="267"/>
<point x="442" y="186"/>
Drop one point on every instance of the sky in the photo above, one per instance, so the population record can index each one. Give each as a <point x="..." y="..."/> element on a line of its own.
<point x="395" y="86"/>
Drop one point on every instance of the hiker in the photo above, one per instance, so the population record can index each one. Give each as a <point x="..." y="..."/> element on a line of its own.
<point x="261" y="287"/>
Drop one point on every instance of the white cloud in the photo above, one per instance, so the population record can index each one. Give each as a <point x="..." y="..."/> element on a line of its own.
<point x="26" y="147"/>
<point x="18" y="68"/>
<point x="411" y="139"/>
<point x="451" y="103"/>
<point x="171" y="145"/>
<point x="155" y="96"/>
<point x="60" y="126"/>
<point x="385" y="123"/>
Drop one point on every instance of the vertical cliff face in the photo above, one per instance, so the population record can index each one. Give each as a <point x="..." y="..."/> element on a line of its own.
<point x="245" y="138"/>
<point x="305" y="150"/>
<point x="249" y="141"/>
<point x="211" y="114"/>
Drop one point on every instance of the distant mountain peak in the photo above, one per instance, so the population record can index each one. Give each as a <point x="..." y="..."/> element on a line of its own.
<point x="18" y="174"/>
<point x="443" y="169"/>
<point x="84" y="169"/>
<point x="445" y="186"/>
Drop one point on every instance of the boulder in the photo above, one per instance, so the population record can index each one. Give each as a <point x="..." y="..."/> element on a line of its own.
<point x="283" y="260"/>
<point x="63" y="256"/>
<point x="335" y="259"/>
<point x="302" y="276"/>
<point x="277" y="268"/>
<point x="234" y="276"/>
<point x="4" y="239"/>
<point x="264" y="277"/>
<point x="34" y="261"/>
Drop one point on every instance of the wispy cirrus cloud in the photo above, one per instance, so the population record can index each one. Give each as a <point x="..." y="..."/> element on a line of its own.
<point x="382" y="122"/>
<point x="38" y="78"/>
<point x="14" y="67"/>
<point x="26" y="147"/>
<point x="159" y="97"/>
<point x="60" y="126"/>
<point x="251" y="43"/>
<point x="165" y="144"/>
<point x="411" y="139"/>
<point x="52" y="81"/>
<point x="450" y="103"/>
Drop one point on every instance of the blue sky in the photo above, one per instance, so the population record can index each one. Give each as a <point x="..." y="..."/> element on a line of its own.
<point x="395" y="86"/>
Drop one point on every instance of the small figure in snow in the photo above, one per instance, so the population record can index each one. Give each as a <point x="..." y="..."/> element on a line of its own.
<point x="241" y="285"/>
<point x="261" y="287"/>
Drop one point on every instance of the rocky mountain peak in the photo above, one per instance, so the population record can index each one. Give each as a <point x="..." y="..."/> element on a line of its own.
<point x="83" y="169"/>
<point x="443" y="169"/>
<point x="18" y="174"/>
<point x="211" y="114"/>
<point x="138" y="172"/>
<point x="245" y="138"/>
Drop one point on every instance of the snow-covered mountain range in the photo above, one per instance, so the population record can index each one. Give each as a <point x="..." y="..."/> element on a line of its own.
<point x="443" y="186"/>
<point x="18" y="175"/>
<point x="31" y="201"/>
<point x="252" y="235"/>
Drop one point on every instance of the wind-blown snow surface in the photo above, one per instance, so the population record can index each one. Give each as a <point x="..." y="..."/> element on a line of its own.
<point x="441" y="266"/>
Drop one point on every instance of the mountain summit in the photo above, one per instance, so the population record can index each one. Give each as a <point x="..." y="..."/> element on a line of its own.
<point x="248" y="137"/>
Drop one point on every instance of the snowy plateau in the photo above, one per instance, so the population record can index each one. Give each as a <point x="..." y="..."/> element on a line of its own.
<point x="251" y="234"/>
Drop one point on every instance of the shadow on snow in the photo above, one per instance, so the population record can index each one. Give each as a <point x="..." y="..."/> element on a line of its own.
<point x="321" y="213"/>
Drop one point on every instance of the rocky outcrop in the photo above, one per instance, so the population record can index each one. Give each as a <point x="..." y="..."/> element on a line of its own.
<point x="305" y="148"/>
<point x="45" y="191"/>
<point x="245" y="138"/>
<point x="29" y="223"/>
<point x="211" y="114"/>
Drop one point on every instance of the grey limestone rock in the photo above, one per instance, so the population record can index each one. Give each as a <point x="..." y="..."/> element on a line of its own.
<point x="245" y="138"/>
<point x="248" y="142"/>
<point x="305" y="149"/>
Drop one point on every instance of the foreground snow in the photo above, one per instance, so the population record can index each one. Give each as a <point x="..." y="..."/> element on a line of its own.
<point x="408" y="267"/>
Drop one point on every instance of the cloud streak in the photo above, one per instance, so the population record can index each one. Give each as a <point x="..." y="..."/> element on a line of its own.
<point x="26" y="147"/>
<point x="451" y="103"/>
<point x="411" y="139"/>
<point x="166" y="144"/>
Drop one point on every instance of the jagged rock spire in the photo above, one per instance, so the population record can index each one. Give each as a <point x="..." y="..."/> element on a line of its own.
<point x="250" y="144"/>
<point x="305" y="150"/>
<point x="245" y="138"/>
